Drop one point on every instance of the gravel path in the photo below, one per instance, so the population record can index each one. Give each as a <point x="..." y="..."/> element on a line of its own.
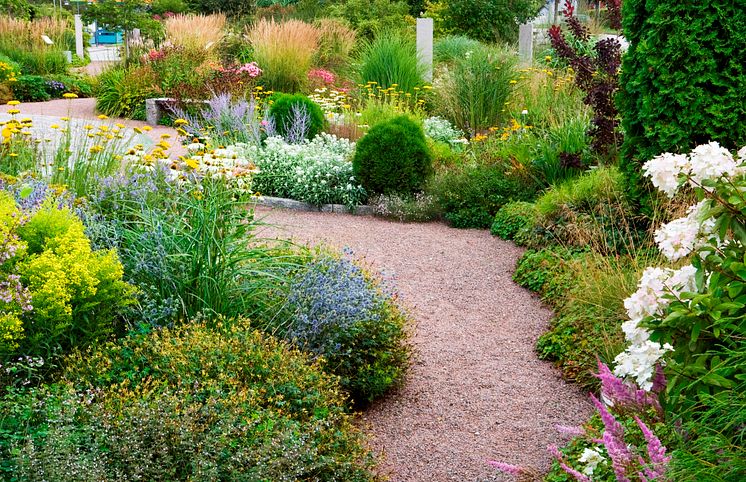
<point x="476" y="390"/>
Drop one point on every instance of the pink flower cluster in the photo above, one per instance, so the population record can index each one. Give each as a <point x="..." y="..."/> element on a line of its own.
<point x="156" y="55"/>
<point x="251" y="69"/>
<point x="322" y="76"/>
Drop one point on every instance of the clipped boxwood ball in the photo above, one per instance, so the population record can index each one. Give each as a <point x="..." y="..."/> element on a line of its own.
<point x="393" y="158"/>
<point x="284" y="116"/>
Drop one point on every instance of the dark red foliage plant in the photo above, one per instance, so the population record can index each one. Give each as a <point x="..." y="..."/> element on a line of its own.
<point x="596" y="74"/>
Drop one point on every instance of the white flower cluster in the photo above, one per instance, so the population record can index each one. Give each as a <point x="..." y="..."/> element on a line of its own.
<point x="676" y="240"/>
<point x="231" y="163"/>
<point x="682" y="236"/>
<point x="706" y="162"/>
<point x="656" y="289"/>
<point x="318" y="171"/>
<point x="439" y="129"/>
<point x="591" y="458"/>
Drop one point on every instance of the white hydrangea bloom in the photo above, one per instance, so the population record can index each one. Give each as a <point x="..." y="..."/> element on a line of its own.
<point x="591" y="458"/>
<point x="638" y="362"/>
<point x="655" y="283"/>
<point x="648" y="299"/>
<point x="634" y="333"/>
<point x="709" y="162"/>
<point x="680" y="237"/>
<point x="665" y="170"/>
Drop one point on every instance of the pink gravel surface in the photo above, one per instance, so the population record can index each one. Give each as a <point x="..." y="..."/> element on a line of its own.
<point x="476" y="390"/>
<point x="86" y="109"/>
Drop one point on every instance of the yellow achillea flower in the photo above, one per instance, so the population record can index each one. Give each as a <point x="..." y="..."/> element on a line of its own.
<point x="14" y="103"/>
<point x="69" y="95"/>
<point x="103" y="117"/>
<point x="180" y="122"/>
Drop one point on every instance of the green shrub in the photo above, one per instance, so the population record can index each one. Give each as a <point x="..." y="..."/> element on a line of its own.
<point x="471" y="195"/>
<point x="159" y="7"/>
<point x="512" y="218"/>
<point x="232" y="8"/>
<point x="590" y="211"/>
<point x="31" y="88"/>
<point x="681" y="82"/>
<point x="393" y="157"/>
<point x="453" y="47"/>
<point x="79" y="86"/>
<point x="340" y="311"/>
<point x="289" y="111"/>
<point x="369" y="18"/>
<point x="583" y="193"/>
<point x="77" y="293"/>
<point x="122" y="93"/>
<point x="192" y="403"/>
<point x="390" y="60"/>
<point x="473" y="92"/>
<point x="490" y="20"/>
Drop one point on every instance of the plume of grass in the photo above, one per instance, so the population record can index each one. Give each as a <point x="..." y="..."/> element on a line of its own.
<point x="390" y="60"/>
<point x="284" y="51"/>
<point x="336" y="42"/>
<point x="21" y="41"/>
<point x="193" y="32"/>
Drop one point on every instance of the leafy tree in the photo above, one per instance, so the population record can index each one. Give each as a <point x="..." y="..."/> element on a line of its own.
<point x="489" y="20"/>
<point x="124" y="15"/>
<point x="232" y="8"/>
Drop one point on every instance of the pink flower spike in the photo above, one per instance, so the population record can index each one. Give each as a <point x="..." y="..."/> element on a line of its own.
<point x="656" y="452"/>
<point x="508" y="468"/>
<point x="570" y="430"/>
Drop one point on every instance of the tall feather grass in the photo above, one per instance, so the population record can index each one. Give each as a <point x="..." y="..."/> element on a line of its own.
<point x="192" y="31"/>
<point x="390" y="60"/>
<point x="285" y="52"/>
<point x="21" y="41"/>
<point x="472" y="93"/>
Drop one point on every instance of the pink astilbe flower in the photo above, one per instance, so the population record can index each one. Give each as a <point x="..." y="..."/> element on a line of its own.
<point x="613" y="438"/>
<point x="625" y="395"/>
<point x="659" y="379"/>
<point x="554" y="451"/>
<point x="656" y="469"/>
<point x="509" y="469"/>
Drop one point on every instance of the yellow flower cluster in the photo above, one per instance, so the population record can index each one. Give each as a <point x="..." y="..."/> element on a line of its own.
<point x="7" y="74"/>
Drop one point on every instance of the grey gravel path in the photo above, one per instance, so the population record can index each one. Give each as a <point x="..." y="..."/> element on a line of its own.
<point x="476" y="390"/>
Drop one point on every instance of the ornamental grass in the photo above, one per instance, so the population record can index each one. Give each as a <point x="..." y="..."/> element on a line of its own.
<point x="195" y="32"/>
<point x="285" y="50"/>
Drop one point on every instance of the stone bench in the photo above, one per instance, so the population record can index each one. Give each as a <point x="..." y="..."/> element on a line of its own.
<point x="156" y="108"/>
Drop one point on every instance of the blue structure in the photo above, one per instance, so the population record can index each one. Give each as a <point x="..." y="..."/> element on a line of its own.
<point x="107" y="37"/>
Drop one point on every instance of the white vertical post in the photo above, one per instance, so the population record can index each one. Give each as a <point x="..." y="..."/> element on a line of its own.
<point x="526" y="42"/>
<point x="79" y="37"/>
<point x="425" y="46"/>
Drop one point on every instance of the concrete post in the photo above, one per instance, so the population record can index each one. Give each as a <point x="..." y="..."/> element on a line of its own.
<point x="526" y="42"/>
<point x="79" y="51"/>
<point x="425" y="46"/>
